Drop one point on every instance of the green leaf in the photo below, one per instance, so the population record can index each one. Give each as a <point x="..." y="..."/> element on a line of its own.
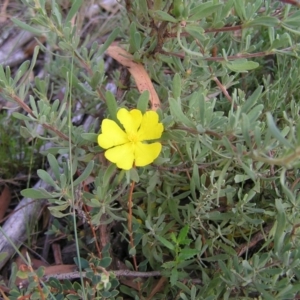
<point x="241" y="65"/>
<point x="132" y="251"/>
<point x="280" y="228"/>
<point x="108" y="174"/>
<point x="137" y="40"/>
<point x="91" y="137"/>
<point x="178" y="7"/>
<point x="246" y="130"/>
<point x="134" y="175"/>
<point x="165" y="242"/>
<point x="40" y="272"/>
<point x="21" y="116"/>
<point x="240" y="178"/>
<point x="183" y="234"/>
<point x="33" y="105"/>
<point x="108" y="41"/>
<point x="249" y="172"/>
<point x="63" y="180"/>
<point x="252" y="100"/>
<point x="46" y="177"/>
<point x="56" y="15"/>
<point x="263" y="21"/>
<point x="187" y="254"/>
<point x="162" y="15"/>
<point x="56" y="211"/>
<point x="26" y="133"/>
<point x="276" y="133"/>
<point x="85" y="174"/>
<point x="3" y="79"/>
<point x="105" y="262"/>
<point x="203" y="10"/>
<point x="178" y="115"/>
<point x="132" y="45"/>
<point x="39" y="193"/>
<point x="173" y="277"/>
<point x="176" y="87"/>
<point x="239" y="8"/>
<point x="21" y="71"/>
<point x="143" y="101"/>
<point x="27" y="27"/>
<point x="54" y="166"/>
<point x="255" y="113"/>
<point x="97" y="76"/>
<point x="195" y="31"/>
<point x="283" y="41"/>
<point x="83" y="263"/>
<point x="293" y="20"/>
<point x="111" y="106"/>
<point x="169" y="264"/>
<point x="73" y="10"/>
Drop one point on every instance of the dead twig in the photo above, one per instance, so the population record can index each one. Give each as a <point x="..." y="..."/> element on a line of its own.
<point x="254" y="240"/>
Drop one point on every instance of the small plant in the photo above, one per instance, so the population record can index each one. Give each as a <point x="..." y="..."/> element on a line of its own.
<point x="18" y="156"/>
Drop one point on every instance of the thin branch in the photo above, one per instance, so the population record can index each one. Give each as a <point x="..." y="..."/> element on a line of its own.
<point x="117" y="273"/>
<point x="25" y="107"/>
<point x="232" y="57"/>
<point x="254" y="240"/>
<point x="224" y="91"/>
<point x="130" y="203"/>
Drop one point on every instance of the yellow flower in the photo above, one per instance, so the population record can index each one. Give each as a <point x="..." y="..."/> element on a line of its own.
<point x="127" y="147"/>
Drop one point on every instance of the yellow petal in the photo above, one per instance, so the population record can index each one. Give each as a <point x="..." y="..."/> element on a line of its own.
<point x="150" y="128"/>
<point x="131" y="120"/>
<point x="121" y="155"/>
<point x="145" y="154"/>
<point x="112" y="135"/>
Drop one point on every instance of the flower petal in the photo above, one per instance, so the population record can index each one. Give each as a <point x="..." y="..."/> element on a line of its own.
<point x="131" y="120"/>
<point x="121" y="155"/>
<point x="150" y="128"/>
<point x="112" y="135"/>
<point x="145" y="154"/>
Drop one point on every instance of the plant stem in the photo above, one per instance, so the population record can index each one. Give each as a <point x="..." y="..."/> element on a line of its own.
<point x="129" y="225"/>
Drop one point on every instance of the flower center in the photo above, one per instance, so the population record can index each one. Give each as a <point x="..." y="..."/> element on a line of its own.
<point x="133" y="137"/>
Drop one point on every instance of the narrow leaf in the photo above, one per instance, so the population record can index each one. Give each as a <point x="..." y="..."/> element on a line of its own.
<point x="111" y="106"/>
<point x="36" y="194"/>
<point x="85" y="174"/>
<point x="46" y="177"/>
<point x="252" y="100"/>
<point x="165" y="242"/>
<point x="178" y="114"/>
<point x="204" y="10"/>
<point x="276" y="133"/>
<point x="108" y="41"/>
<point x="54" y="165"/>
<point x="74" y="9"/>
<point x="174" y="277"/>
<point x="241" y="65"/>
<point x="143" y="102"/>
<point x="183" y="234"/>
<point x="27" y="27"/>
<point x="108" y="174"/>
<point x="187" y="254"/>
<point x="91" y="137"/>
<point x="264" y="21"/>
<point x="176" y="88"/>
<point x="162" y="15"/>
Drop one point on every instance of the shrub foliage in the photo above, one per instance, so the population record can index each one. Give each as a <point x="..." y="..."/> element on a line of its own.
<point x="217" y="213"/>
